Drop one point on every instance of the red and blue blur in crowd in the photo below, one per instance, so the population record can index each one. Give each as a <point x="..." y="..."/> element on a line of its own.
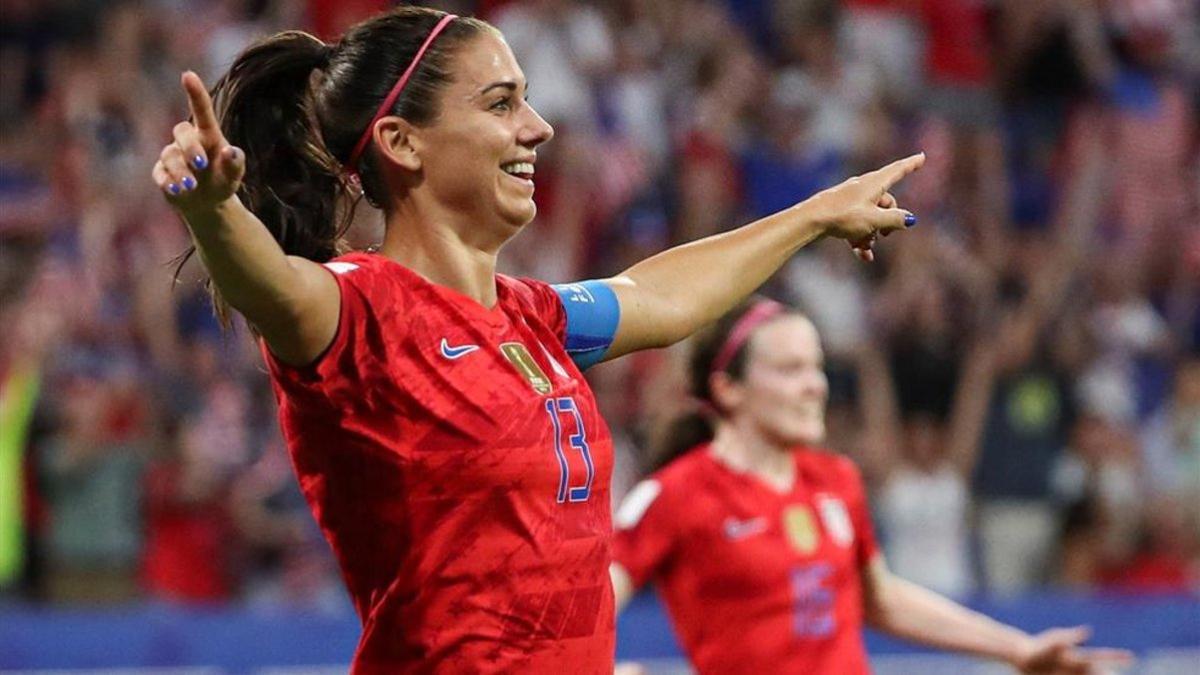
<point x="1019" y="377"/>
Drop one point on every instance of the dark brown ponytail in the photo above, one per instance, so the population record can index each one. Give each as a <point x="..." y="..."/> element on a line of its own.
<point x="266" y="108"/>
<point x="297" y="106"/>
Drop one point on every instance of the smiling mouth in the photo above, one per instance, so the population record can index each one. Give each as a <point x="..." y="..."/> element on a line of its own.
<point x="522" y="171"/>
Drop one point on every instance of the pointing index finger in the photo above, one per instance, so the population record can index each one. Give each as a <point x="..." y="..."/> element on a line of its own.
<point x="897" y="170"/>
<point x="200" y="104"/>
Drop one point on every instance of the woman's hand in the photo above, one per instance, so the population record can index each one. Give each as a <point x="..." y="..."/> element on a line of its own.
<point x="200" y="169"/>
<point x="863" y="208"/>
<point x="1057" y="652"/>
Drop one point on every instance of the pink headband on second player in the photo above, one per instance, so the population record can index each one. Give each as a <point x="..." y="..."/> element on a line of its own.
<point x="760" y="313"/>
<point x="386" y="106"/>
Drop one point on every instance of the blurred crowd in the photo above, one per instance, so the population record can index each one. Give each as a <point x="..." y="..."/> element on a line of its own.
<point x="1018" y="376"/>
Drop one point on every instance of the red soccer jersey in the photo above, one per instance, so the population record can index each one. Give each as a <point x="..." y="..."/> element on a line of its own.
<point x="755" y="580"/>
<point x="454" y="457"/>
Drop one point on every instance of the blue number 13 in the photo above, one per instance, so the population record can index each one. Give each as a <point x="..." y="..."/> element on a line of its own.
<point x="558" y="407"/>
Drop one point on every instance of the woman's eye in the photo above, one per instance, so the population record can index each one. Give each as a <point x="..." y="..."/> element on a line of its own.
<point x="502" y="104"/>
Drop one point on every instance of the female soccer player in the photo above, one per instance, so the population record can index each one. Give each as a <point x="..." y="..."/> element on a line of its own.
<point x="435" y="411"/>
<point x="761" y="543"/>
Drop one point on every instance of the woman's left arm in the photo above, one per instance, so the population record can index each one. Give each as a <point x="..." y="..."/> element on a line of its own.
<point x="669" y="296"/>
<point x="908" y="611"/>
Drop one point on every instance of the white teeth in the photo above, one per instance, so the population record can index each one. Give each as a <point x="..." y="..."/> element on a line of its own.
<point x="518" y="168"/>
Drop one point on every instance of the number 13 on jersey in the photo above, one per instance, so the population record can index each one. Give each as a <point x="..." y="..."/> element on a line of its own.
<point x="564" y="415"/>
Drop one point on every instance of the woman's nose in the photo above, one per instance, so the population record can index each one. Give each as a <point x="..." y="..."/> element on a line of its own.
<point x="536" y="130"/>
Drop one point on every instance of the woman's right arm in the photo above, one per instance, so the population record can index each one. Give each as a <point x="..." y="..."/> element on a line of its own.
<point x="291" y="301"/>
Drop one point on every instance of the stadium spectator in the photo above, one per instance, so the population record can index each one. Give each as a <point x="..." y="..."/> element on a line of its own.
<point x="187" y="553"/>
<point x="921" y="462"/>
<point x="1171" y="443"/>
<point x="88" y="471"/>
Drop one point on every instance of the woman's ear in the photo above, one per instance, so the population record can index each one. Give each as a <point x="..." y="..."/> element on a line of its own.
<point x="394" y="139"/>
<point x="727" y="393"/>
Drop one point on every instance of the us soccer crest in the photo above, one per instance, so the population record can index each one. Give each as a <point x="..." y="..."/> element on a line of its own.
<point x="800" y="528"/>
<point x="836" y="519"/>
<point x="522" y="360"/>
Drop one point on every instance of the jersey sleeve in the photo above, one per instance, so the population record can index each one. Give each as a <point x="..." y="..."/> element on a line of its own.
<point x="339" y="372"/>
<point x="584" y="315"/>
<point x="544" y="302"/>
<point x="645" y="532"/>
<point x="867" y="547"/>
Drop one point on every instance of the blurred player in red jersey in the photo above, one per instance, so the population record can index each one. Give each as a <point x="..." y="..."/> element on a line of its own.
<point x="434" y="410"/>
<point x="761" y="543"/>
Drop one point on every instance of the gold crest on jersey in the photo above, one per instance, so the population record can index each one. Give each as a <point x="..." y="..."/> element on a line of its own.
<point x="800" y="528"/>
<point x="522" y="360"/>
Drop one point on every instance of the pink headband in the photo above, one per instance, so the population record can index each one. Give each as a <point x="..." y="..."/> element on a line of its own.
<point x="386" y="106"/>
<point x="760" y="313"/>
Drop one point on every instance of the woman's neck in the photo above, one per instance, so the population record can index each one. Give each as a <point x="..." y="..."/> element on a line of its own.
<point x="440" y="253"/>
<point x="744" y="448"/>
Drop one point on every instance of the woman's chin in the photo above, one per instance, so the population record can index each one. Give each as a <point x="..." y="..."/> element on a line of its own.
<point x="797" y="435"/>
<point x="523" y="215"/>
<point x="810" y="434"/>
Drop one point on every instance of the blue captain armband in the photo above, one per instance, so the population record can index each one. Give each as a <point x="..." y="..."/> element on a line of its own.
<point x="592" y="317"/>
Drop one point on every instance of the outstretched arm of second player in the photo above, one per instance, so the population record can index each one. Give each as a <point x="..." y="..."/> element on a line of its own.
<point x="905" y="610"/>
<point x="669" y="296"/>
<point x="291" y="301"/>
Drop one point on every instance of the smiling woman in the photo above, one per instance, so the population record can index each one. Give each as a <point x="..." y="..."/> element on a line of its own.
<point x="483" y="170"/>
<point x="435" y="411"/>
<point x="752" y="521"/>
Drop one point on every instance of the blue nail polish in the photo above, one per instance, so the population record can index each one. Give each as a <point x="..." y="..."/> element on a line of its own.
<point x="189" y="183"/>
<point x="174" y="189"/>
<point x="199" y="162"/>
<point x="909" y="220"/>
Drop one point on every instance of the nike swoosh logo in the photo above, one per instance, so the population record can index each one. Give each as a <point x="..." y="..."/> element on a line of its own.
<point x="456" y="352"/>
<point x="740" y="529"/>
